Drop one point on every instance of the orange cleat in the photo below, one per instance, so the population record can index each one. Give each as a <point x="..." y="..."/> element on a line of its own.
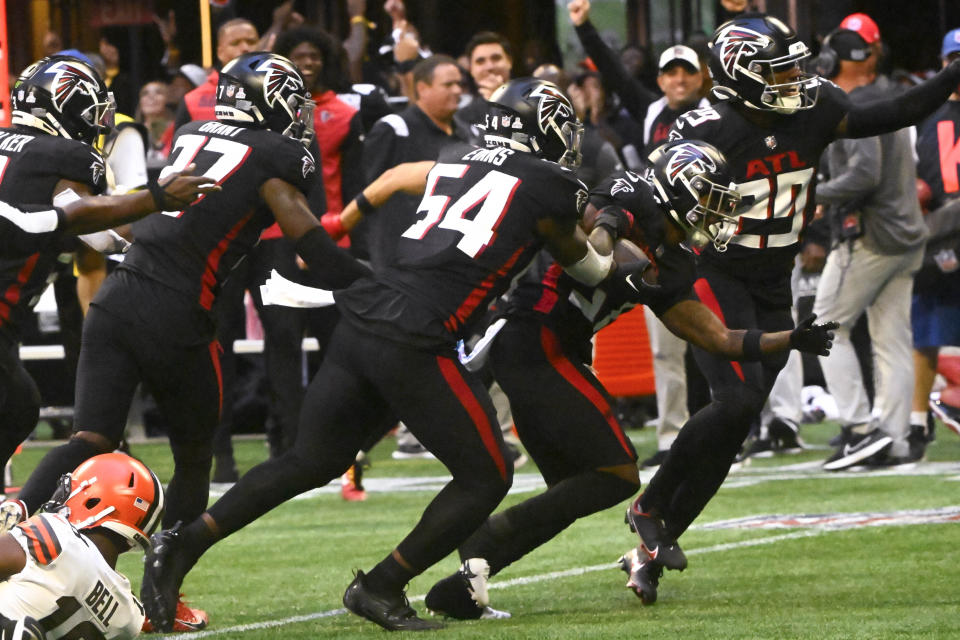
<point x="186" y="620"/>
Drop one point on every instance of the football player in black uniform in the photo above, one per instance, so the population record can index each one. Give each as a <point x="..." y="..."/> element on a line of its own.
<point x="59" y="106"/>
<point x="772" y="122"/>
<point x="152" y="320"/>
<point x="683" y="203"/>
<point x="485" y="214"/>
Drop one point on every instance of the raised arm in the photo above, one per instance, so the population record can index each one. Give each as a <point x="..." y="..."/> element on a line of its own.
<point x="906" y="109"/>
<point x="633" y="95"/>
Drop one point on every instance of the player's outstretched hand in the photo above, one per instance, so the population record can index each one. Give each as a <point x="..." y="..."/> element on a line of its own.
<point x="813" y="338"/>
<point x="177" y="190"/>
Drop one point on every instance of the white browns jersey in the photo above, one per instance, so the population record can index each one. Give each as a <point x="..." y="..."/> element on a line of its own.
<point x="67" y="585"/>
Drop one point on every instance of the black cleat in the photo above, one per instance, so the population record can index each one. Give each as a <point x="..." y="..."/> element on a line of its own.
<point x="164" y="566"/>
<point x="654" y="540"/>
<point x="644" y="575"/>
<point x="463" y="595"/>
<point x="392" y="611"/>
<point x="785" y="436"/>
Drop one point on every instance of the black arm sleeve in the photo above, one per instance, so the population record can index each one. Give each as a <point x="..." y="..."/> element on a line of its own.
<point x="351" y="167"/>
<point x="634" y="96"/>
<point x="330" y="266"/>
<point x="908" y="108"/>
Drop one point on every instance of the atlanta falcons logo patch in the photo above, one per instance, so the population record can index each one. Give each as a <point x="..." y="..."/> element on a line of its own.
<point x="687" y="156"/>
<point x="69" y="79"/>
<point x="280" y="80"/>
<point x="553" y="105"/>
<point x="733" y="42"/>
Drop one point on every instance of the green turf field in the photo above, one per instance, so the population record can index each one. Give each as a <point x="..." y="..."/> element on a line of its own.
<point x="828" y="577"/>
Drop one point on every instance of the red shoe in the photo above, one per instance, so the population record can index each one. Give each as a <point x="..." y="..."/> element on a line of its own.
<point x="350" y="487"/>
<point x="186" y="620"/>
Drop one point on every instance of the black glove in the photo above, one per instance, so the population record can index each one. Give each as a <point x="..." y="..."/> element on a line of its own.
<point x="627" y="284"/>
<point x="813" y="338"/>
<point x="30" y="629"/>
<point x="616" y="220"/>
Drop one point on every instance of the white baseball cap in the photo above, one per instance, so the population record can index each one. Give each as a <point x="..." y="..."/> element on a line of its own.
<point x="679" y="53"/>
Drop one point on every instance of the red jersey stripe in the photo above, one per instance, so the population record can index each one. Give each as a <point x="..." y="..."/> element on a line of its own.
<point x="570" y="373"/>
<point x="473" y="300"/>
<point x="549" y="297"/>
<point x="12" y="295"/>
<point x="213" y="262"/>
<point x="461" y="389"/>
<point x="707" y="297"/>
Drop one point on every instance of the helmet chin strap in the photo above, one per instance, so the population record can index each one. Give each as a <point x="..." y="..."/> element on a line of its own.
<point x="32" y="120"/>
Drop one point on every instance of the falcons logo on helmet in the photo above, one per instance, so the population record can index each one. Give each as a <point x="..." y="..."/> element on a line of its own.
<point x="733" y="42"/>
<point x="686" y="156"/>
<point x="69" y="79"/>
<point x="553" y="105"/>
<point x="280" y="79"/>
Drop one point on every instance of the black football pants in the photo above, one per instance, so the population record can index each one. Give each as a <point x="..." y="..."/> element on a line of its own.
<point x="700" y="458"/>
<point x="19" y="402"/>
<point x="364" y="377"/>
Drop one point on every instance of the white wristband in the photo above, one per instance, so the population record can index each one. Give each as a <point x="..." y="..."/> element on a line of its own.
<point x="592" y="268"/>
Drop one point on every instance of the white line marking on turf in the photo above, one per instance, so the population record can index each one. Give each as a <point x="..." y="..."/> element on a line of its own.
<point x="576" y="571"/>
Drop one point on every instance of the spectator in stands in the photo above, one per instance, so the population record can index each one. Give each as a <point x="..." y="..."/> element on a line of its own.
<point x="600" y="157"/>
<point x="153" y="113"/>
<point x="234" y="37"/>
<point x="490" y="62"/>
<point x="935" y="313"/>
<point x="117" y="80"/>
<point x="873" y="184"/>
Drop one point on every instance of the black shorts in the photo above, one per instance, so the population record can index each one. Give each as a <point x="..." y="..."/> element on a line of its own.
<point x="117" y="354"/>
<point x="365" y="378"/>
<point x="741" y="305"/>
<point x="562" y="413"/>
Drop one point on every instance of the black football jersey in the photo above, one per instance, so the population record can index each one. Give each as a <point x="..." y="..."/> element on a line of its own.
<point x="194" y="250"/>
<point x="576" y="311"/>
<point x="475" y="231"/>
<point x="775" y="169"/>
<point x="938" y="150"/>
<point x="31" y="164"/>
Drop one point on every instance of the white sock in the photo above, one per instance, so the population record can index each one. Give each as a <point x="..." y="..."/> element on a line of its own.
<point x="918" y="417"/>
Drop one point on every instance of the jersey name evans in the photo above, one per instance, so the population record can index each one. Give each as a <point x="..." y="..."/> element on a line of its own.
<point x="496" y="156"/>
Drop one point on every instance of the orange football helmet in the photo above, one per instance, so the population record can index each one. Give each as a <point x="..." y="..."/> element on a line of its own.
<point x="116" y="492"/>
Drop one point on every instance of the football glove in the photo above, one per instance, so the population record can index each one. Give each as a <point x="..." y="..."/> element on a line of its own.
<point x="627" y="283"/>
<point x="616" y="220"/>
<point x="813" y="338"/>
<point x="25" y="628"/>
<point x="12" y="513"/>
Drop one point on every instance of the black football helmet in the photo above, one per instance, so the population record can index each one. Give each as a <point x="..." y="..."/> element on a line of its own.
<point x="534" y="116"/>
<point x="265" y="90"/>
<point x="691" y="182"/>
<point x="745" y="55"/>
<point x="63" y="96"/>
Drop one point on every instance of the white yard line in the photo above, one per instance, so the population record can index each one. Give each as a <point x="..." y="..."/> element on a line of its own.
<point x="553" y="575"/>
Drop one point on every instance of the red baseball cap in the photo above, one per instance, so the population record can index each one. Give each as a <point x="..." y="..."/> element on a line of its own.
<point x="862" y="24"/>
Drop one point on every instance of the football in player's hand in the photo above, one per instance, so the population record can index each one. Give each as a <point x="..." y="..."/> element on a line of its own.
<point x="627" y="253"/>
